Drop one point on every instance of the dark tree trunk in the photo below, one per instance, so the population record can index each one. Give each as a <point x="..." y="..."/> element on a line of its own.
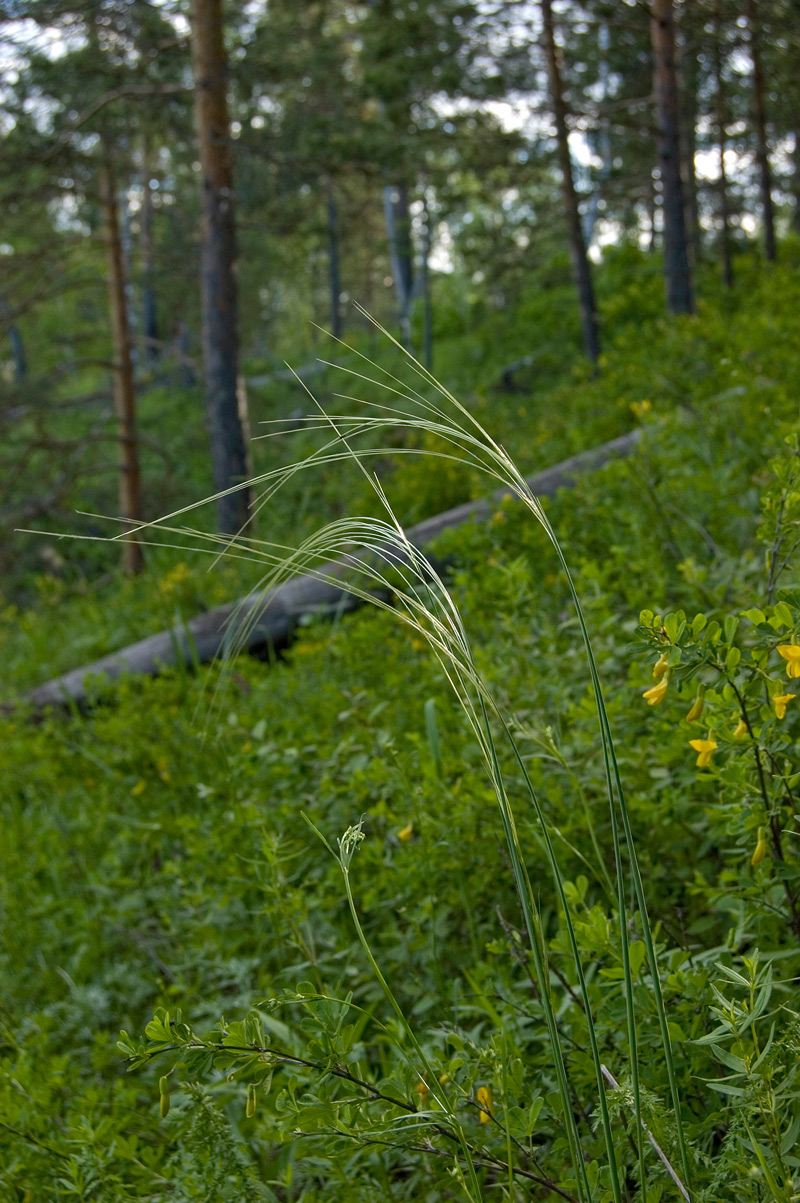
<point x="722" y="137"/>
<point x="220" y="316"/>
<point x="677" y="274"/>
<point x="760" y="127"/>
<point x="18" y="354"/>
<point x="16" y="344"/>
<point x="425" y="289"/>
<point x="580" y="261"/>
<point x="689" y="72"/>
<point x="334" y="277"/>
<point x="401" y="253"/>
<point x="124" y="394"/>
<point x="149" y="317"/>
<point x="651" y="214"/>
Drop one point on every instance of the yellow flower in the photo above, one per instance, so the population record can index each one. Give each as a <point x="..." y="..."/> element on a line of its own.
<point x="405" y="833"/>
<point x="139" y="788"/>
<point x="741" y="731"/>
<point x="791" y="654"/>
<point x="705" y="749"/>
<point x="660" y="667"/>
<point x="760" y="849"/>
<point x="422" y="1091"/>
<point x="780" y="702"/>
<point x="655" y="694"/>
<point x="696" y="710"/>
<point x="484" y="1101"/>
<point x="640" y="408"/>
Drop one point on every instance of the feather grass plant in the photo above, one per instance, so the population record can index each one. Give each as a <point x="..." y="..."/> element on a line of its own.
<point x="371" y="559"/>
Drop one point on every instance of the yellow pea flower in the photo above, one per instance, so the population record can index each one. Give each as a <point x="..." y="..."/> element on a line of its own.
<point x="660" y="667"/>
<point x="422" y="1091"/>
<point x="484" y="1101"/>
<point x="654" y="696"/>
<point x="791" y="654"/>
<point x="760" y="849"/>
<point x="740" y="731"/>
<point x="780" y="702"/>
<point x="696" y="710"/>
<point x="705" y="749"/>
<point x="405" y="833"/>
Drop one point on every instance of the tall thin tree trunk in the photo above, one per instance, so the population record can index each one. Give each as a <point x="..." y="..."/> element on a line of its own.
<point x="689" y="73"/>
<point x="796" y="183"/>
<point x="16" y="344"/>
<point x="124" y="394"/>
<point x="722" y="137"/>
<point x="425" y="287"/>
<point x="219" y="298"/>
<point x="401" y="253"/>
<point x="760" y="126"/>
<point x="651" y="214"/>
<point x="334" y="277"/>
<point x="677" y="274"/>
<point x="580" y="261"/>
<point x="149" y="317"/>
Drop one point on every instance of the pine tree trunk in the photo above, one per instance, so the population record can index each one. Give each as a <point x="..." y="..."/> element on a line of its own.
<point x="334" y="277"/>
<point x="425" y="288"/>
<point x="580" y="261"/>
<point x="401" y="253"/>
<point x="677" y="275"/>
<point x="219" y="299"/>
<point x="124" y="394"/>
<point x="760" y="126"/>
<point x="149" y="318"/>
<point x="722" y="137"/>
<point x="689" y="74"/>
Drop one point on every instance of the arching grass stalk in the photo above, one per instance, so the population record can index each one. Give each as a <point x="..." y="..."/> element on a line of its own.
<point x="441" y="626"/>
<point x="611" y="766"/>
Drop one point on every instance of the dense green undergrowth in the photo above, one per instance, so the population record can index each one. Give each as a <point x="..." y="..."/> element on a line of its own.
<point x="155" y="855"/>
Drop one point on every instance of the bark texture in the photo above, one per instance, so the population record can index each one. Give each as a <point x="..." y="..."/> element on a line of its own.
<point x="219" y="297"/>
<point x="722" y="137"/>
<point x="677" y="273"/>
<point x="124" y="392"/>
<point x="760" y="127"/>
<point x="334" y="273"/>
<point x="149" y="319"/>
<point x="577" y="245"/>
<point x="401" y="252"/>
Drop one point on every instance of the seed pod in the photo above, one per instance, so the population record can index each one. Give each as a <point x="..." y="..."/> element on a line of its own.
<point x="760" y="849"/>
<point x="163" y="1088"/>
<point x="250" y="1109"/>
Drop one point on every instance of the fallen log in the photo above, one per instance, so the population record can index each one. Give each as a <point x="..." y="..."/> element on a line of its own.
<point x="206" y="636"/>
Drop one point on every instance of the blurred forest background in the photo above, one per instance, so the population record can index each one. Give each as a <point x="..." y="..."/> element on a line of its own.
<point x="448" y="166"/>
